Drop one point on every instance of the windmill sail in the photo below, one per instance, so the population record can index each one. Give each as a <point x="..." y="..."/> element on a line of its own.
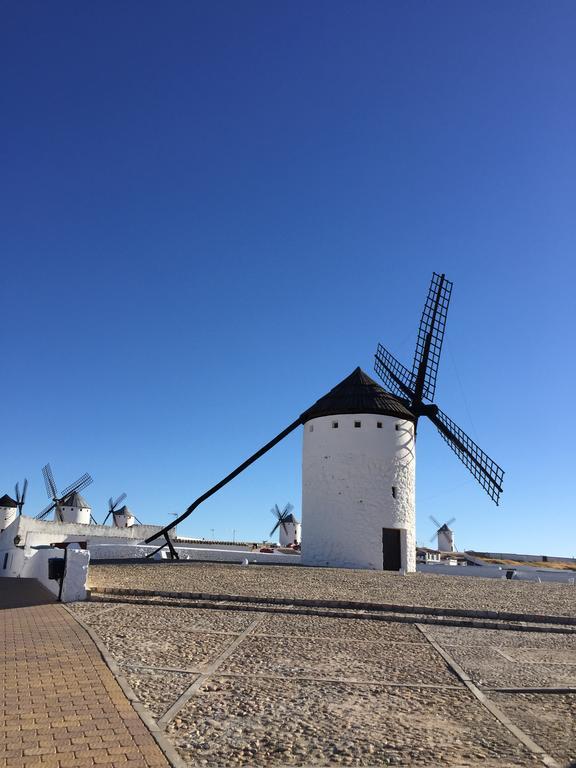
<point x="431" y="336"/>
<point x="484" y="469"/>
<point x="398" y="379"/>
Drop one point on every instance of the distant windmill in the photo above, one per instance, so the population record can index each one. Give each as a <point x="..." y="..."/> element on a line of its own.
<point x="287" y="523"/>
<point x="69" y="497"/>
<point x="20" y="499"/>
<point x="122" y="517"/>
<point x="444" y="534"/>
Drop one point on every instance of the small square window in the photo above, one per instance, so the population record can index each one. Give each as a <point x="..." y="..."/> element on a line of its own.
<point x="378" y="425"/>
<point x="311" y="428"/>
<point x="397" y="427"/>
<point x="357" y="424"/>
<point x="393" y="491"/>
<point x="334" y="425"/>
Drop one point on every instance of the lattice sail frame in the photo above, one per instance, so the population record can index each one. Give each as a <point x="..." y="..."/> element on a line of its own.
<point x="386" y="366"/>
<point x="489" y="474"/>
<point x="433" y="323"/>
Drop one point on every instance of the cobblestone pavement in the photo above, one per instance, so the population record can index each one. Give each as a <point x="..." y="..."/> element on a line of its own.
<point x="61" y="706"/>
<point x="247" y="688"/>
<point x="296" y="582"/>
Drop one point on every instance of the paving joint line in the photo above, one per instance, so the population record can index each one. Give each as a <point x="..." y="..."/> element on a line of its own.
<point x="302" y="678"/>
<point x="165" y="746"/>
<point x="494" y="710"/>
<point x="203" y="676"/>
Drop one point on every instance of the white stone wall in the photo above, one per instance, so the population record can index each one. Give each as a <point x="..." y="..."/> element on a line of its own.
<point x="124" y="521"/>
<point x="446" y="541"/>
<point x="347" y="478"/>
<point x="291" y="535"/>
<point x="80" y="515"/>
<point x="7" y="516"/>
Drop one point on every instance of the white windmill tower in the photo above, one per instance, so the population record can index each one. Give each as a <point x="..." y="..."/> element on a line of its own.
<point x="68" y="505"/>
<point x="8" y="511"/>
<point x="358" y="479"/>
<point x="358" y="501"/>
<point x="289" y="527"/>
<point x="122" y="517"/>
<point x="445" y="535"/>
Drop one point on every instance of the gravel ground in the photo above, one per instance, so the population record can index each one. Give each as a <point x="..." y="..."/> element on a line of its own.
<point x="349" y="629"/>
<point x="549" y="719"/>
<point x="339" y="584"/>
<point x="488" y="668"/>
<point x="258" y="709"/>
<point x="158" y="690"/>
<point x="321" y="658"/>
<point x="501" y="638"/>
<point x="162" y="648"/>
<point x="142" y="618"/>
<point x="264" y="723"/>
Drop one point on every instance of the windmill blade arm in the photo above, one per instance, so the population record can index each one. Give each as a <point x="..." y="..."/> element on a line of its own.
<point x="431" y="337"/>
<point x="49" y="481"/>
<point x="45" y="512"/>
<point x="106" y="518"/>
<point x="274" y="529"/>
<point x="81" y="483"/>
<point x="395" y="376"/>
<point x="484" y="469"/>
<point x="119" y="500"/>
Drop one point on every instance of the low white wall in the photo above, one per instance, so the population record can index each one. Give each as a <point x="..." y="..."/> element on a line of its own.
<point x="497" y="572"/>
<point x="107" y="552"/>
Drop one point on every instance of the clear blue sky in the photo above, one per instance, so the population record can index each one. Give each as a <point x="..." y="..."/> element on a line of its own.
<point x="211" y="212"/>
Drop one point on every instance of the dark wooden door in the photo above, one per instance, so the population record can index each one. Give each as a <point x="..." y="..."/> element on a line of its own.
<point x="391" y="555"/>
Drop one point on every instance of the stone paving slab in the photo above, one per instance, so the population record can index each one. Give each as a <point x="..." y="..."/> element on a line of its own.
<point x="61" y="705"/>
<point x="549" y="719"/>
<point x="257" y="722"/>
<point x="321" y="658"/>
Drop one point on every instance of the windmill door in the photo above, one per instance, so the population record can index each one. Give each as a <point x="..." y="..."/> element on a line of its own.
<point x="391" y="555"/>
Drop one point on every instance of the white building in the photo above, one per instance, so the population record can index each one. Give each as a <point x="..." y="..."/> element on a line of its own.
<point x="290" y="531"/>
<point x="358" y="479"/>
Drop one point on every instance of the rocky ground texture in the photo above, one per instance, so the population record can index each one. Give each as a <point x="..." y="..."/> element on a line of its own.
<point x="296" y="582"/>
<point x="238" y="686"/>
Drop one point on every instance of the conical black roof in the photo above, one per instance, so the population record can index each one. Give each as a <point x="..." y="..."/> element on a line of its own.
<point x="8" y="501"/>
<point x="358" y="393"/>
<point x="75" y="500"/>
<point x="444" y="529"/>
<point x="123" y="511"/>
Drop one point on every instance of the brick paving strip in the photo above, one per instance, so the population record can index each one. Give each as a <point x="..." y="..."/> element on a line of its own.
<point x="522" y="737"/>
<point x="62" y="706"/>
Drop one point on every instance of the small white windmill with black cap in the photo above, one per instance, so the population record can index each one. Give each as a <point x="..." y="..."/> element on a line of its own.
<point x="444" y="534"/>
<point x="122" y="517"/>
<point x="68" y="505"/>
<point x="288" y="525"/>
<point x="11" y="508"/>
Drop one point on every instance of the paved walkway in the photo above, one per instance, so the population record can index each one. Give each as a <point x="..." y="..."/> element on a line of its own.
<point x="61" y="704"/>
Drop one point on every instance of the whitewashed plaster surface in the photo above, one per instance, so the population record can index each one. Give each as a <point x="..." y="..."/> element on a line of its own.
<point x="7" y="516"/>
<point x="291" y="535"/>
<point x="347" y="479"/>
